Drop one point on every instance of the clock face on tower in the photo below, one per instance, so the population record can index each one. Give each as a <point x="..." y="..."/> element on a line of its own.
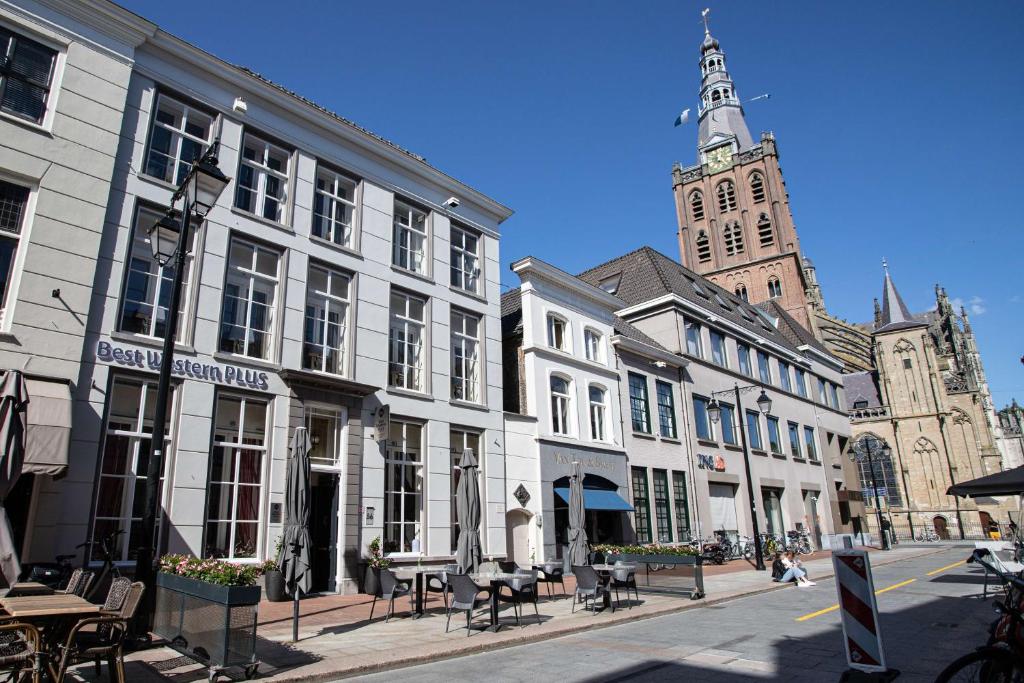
<point x="719" y="159"/>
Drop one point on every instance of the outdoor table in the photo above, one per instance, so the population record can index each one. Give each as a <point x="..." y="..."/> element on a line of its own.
<point x="495" y="580"/>
<point x="605" y="571"/>
<point x="26" y="588"/>
<point x="42" y="610"/>
<point x="419" y="574"/>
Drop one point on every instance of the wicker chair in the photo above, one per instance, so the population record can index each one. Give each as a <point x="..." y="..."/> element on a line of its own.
<point x="19" y="648"/>
<point x="79" y="583"/>
<point x="99" y="638"/>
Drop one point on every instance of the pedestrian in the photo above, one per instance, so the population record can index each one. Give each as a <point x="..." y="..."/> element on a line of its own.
<point x="993" y="530"/>
<point x="794" y="571"/>
<point x="778" y="569"/>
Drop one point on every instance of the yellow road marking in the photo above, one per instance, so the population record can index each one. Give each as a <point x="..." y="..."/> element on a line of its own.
<point x="833" y="608"/>
<point x="942" y="569"/>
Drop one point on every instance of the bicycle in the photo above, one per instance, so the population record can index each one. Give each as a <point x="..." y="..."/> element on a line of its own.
<point x="57" y="574"/>
<point x="927" y="536"/>
<point x="1001" y="659"/>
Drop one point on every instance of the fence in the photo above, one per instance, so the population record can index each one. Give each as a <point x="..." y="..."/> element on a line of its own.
<point x="937" y="525"/>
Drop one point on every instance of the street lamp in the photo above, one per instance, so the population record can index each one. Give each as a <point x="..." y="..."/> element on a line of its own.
<point x="865" y="448"/>
<point x="169" y="240"/>
<point x="764" y="404"/>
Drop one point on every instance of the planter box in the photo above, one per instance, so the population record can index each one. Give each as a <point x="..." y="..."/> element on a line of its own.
<point x="657" y="559"/>
<point x="214" y="625"/>
<point x="694" y="588"/>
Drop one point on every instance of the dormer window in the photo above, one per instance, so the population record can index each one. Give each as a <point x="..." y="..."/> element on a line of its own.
<point x="697" y="205"/>
<point x="610" y="284"/>
<point x="726" y="196"/>
<point x="757" y="187"/>
<point x="556" y="333"/>
<point x="703" y="247"/>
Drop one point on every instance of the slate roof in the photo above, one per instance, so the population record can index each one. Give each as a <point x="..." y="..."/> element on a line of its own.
<point x="895" y="314"/>
<point x="796" y="333"/>
<point x="860" y="386"/>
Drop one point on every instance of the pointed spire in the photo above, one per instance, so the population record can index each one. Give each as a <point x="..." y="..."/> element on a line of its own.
<point x="967" y="323"/>
<point x="895" y="314"/>
<point x="721" y="116"/>
<point x="878" y="314"/>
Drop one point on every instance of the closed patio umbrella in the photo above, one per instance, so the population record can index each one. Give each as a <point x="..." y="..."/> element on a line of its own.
<point x="467" y="502"/>
<point x="577" y="518"/>
<point x="295" y="551"/>
<point x="13" y="402"/>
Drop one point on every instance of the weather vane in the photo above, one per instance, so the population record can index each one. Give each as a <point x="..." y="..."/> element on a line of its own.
<point x="885" y="265"/>
<point x="704" y="15"/>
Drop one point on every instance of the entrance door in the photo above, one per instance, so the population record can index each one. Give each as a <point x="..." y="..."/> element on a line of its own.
<point x="811" y="510"/>
<point x="941" y="529"/>
<point x="772" y="500"/>
<point x="988" y="527"/>
<point x="323" y="530"/>
<point x="723" y="508"/>
<point x="517" y="537"/>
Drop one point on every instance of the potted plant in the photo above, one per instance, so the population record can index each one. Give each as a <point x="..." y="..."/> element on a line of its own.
<point x="377" y="561"/>
<point x="273" y="577"/>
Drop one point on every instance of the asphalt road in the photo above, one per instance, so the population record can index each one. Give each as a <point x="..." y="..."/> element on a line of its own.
<point x="930" y="612"/>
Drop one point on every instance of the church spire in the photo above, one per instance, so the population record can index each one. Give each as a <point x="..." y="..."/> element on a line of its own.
<point x="721" y="116"/>
<point x="895" y="314"/>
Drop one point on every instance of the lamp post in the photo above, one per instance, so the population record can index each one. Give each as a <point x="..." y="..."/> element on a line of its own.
<point x="865" y="448"/>
<point x="764" y="404"/>
<point x="169" y="239"/>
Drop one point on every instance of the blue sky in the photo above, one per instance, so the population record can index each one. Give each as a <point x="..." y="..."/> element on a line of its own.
<point x="896" y="124"/>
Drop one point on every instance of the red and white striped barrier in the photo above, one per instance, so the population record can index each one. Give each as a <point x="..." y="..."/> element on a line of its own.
<point x="861" y="630"/>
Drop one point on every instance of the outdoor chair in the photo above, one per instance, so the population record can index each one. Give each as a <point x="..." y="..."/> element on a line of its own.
<point x="392" y="587"/>
<point x="489" y="568"/>
<point x="438" y="583"/>
<point x="78" y="578"/>
<point x="552" y="573"/>
<point x="588" y="586"/>
<point x="99" y="638"/>
<point x="624" y="576"/>
<point x="466" y="597"/>
<point x="522" y="589"/>
<point x="996" y="562"/>
<point x="19" y="647"/>
<point x="508" y="567"/>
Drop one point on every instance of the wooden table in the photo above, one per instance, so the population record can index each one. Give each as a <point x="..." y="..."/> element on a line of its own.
<point x="495" y="580"/>
<point x="49" y="611"/>
<point x="25" y="588"/>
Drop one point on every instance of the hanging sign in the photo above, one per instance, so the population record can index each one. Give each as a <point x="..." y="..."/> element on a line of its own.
<point x="711" y="462"/>
<point x="382" y="423"/>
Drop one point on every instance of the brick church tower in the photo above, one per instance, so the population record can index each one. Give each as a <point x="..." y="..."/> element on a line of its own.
<point x="735" y="227"/>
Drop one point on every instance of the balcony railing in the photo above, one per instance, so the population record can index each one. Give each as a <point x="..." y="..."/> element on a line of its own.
<point x="868" y="413"/>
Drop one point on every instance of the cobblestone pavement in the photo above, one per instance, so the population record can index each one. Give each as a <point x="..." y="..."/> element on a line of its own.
<point x="931" y="614"/>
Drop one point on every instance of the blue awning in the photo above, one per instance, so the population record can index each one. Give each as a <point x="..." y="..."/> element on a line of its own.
<point x="599" y="499"/>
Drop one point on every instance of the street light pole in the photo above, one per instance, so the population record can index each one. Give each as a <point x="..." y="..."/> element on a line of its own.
<point x="878" y="504"/>
<point x="740" y="417"/>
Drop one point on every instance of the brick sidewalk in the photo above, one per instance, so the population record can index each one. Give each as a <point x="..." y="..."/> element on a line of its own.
<point x="336" y="640"/>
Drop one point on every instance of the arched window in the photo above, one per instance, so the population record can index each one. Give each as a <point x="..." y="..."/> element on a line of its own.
<point x="884" y="475"/>
<point x="725" y="93"/>
<point x="774" y="287"/>
<point x="764" y="231"/>
<point x="560" y="402"/>
<point x="593" y="345"/>
<point x="741" y="291"/>
<point x="716" y="96"/>
<point x="598" y="418"/>
<point x="703" y="247"/>
<point x="697" y="205"/>
<point x="557" y="337"/>
<point x="726" y="196"/>
<point x="733" y="238"/>
<point x="757" y="187"/>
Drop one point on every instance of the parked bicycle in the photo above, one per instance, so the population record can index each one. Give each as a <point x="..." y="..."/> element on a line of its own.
<point x="799" y="542"/>
<point x="927" y="535"/>
<point x="769" y="545"/>
<point x="57" y="574"/>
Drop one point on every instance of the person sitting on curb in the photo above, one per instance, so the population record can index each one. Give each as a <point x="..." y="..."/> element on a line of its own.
<point x="778" y="569"/>
<point x="793" y="571"/>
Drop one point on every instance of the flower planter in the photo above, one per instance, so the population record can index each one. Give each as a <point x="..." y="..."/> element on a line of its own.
<point x="371" y="581"/>
<point x="273" y="585"/>
<point x="696" y="562"/>
<point x="212" y="624"/>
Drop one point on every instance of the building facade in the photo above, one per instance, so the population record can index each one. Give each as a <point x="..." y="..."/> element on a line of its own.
<point x="1011" y="422"/>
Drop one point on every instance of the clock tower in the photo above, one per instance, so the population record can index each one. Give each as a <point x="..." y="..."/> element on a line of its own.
<point x="735" y="227"/>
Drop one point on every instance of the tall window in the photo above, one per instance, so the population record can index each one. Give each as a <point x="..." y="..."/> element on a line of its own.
<point x="465" y="257"/>
<point x="697" y="205"/>
<point x="666" y="410"/>
<point x="754" y="430"/>
<point x="693" y="342"/>
<point x="718" y="354"/>
<point x="741" y="292"/>
<point x="885" y="476"/>
<point x="681" y="506"/>
<point x="662" y="514"/>
<point x="326" y="329"/>
<point x="26" y="75"/>
<point x="774" y="440"/>
<point x="403" y="487"/>
<point x="703" y="246"/>
<point x="592" y="345"/>
<point x="794" y="440"/>
<point x="326" y="428"/>
<point x="743" y="353"/>
<point x="701" y="421"/>
<point x="822" y="392"/>
<point x="466" y="357"/>
<point x="560" y="402"/>
<point x="598" y="413"/>
<point x="179" y="135"/>
<point x="812" y="449"/>
<point x="728" y="424"/>
<point x="726" y="196"/>
<point x="764" y="231"/>
<point x="460" y="441"/>
<point x="262" y="185"/>
<point x="732" y="236"/>
<point x="556" y="333"/>
<point x="764" y="369"/>
<point x="757" y="187"/>
<point x="147" y="287"/>
<point x="774" y="287"/>
<point x="250" y="296"/>
<point x="801" y="382"/>
<point x="236" y="477"/>
<point x="122" y="482"/>
<point x="641" y="505"/>
<point x="833" y="392"/>
<point x="639" y="406"/>
<point x="405" y="357"/>
<point x="13" y="203"/>
<point x="334" y="207"/>
<point x="409" y="248"/>
<point x="784" y="380"/>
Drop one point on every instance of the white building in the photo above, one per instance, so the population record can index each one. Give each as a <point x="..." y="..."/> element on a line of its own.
<point x="333" y="283"/>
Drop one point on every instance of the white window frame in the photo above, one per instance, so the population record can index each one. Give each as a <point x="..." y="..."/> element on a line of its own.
<point x="800" y="378"/>
<point x="50" y="41"/>
<point x="401" y="322"/>
<point x="688" y="325"/>
<point x="723" y="349"/>
<point x="178" y="167"/>
<point x="404" y="254"/>
<point x="327" y="302"/>
<point x="743" y="351"/>
<point x="466" y="264"/>
<point x="764" y="371"/>
<point x="418" y="463"/>
<point x="785" y="381"/>
<point x="593" y="345"/>
<point x="598" y="413"/>
<point x="561" y="406"/>
<point x="552" y="320"/>
<point x="811" y="443"/>
<point x="337" y="417"/>
<point x="467" y="366"/>
<point x="17" y="267"/>
<point x="251" y="276"/>
<point x="332" y="198"/>
<point x="262" y="170"/>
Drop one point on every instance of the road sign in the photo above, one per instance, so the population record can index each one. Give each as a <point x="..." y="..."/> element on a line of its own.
<point x="862" y="633"/>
